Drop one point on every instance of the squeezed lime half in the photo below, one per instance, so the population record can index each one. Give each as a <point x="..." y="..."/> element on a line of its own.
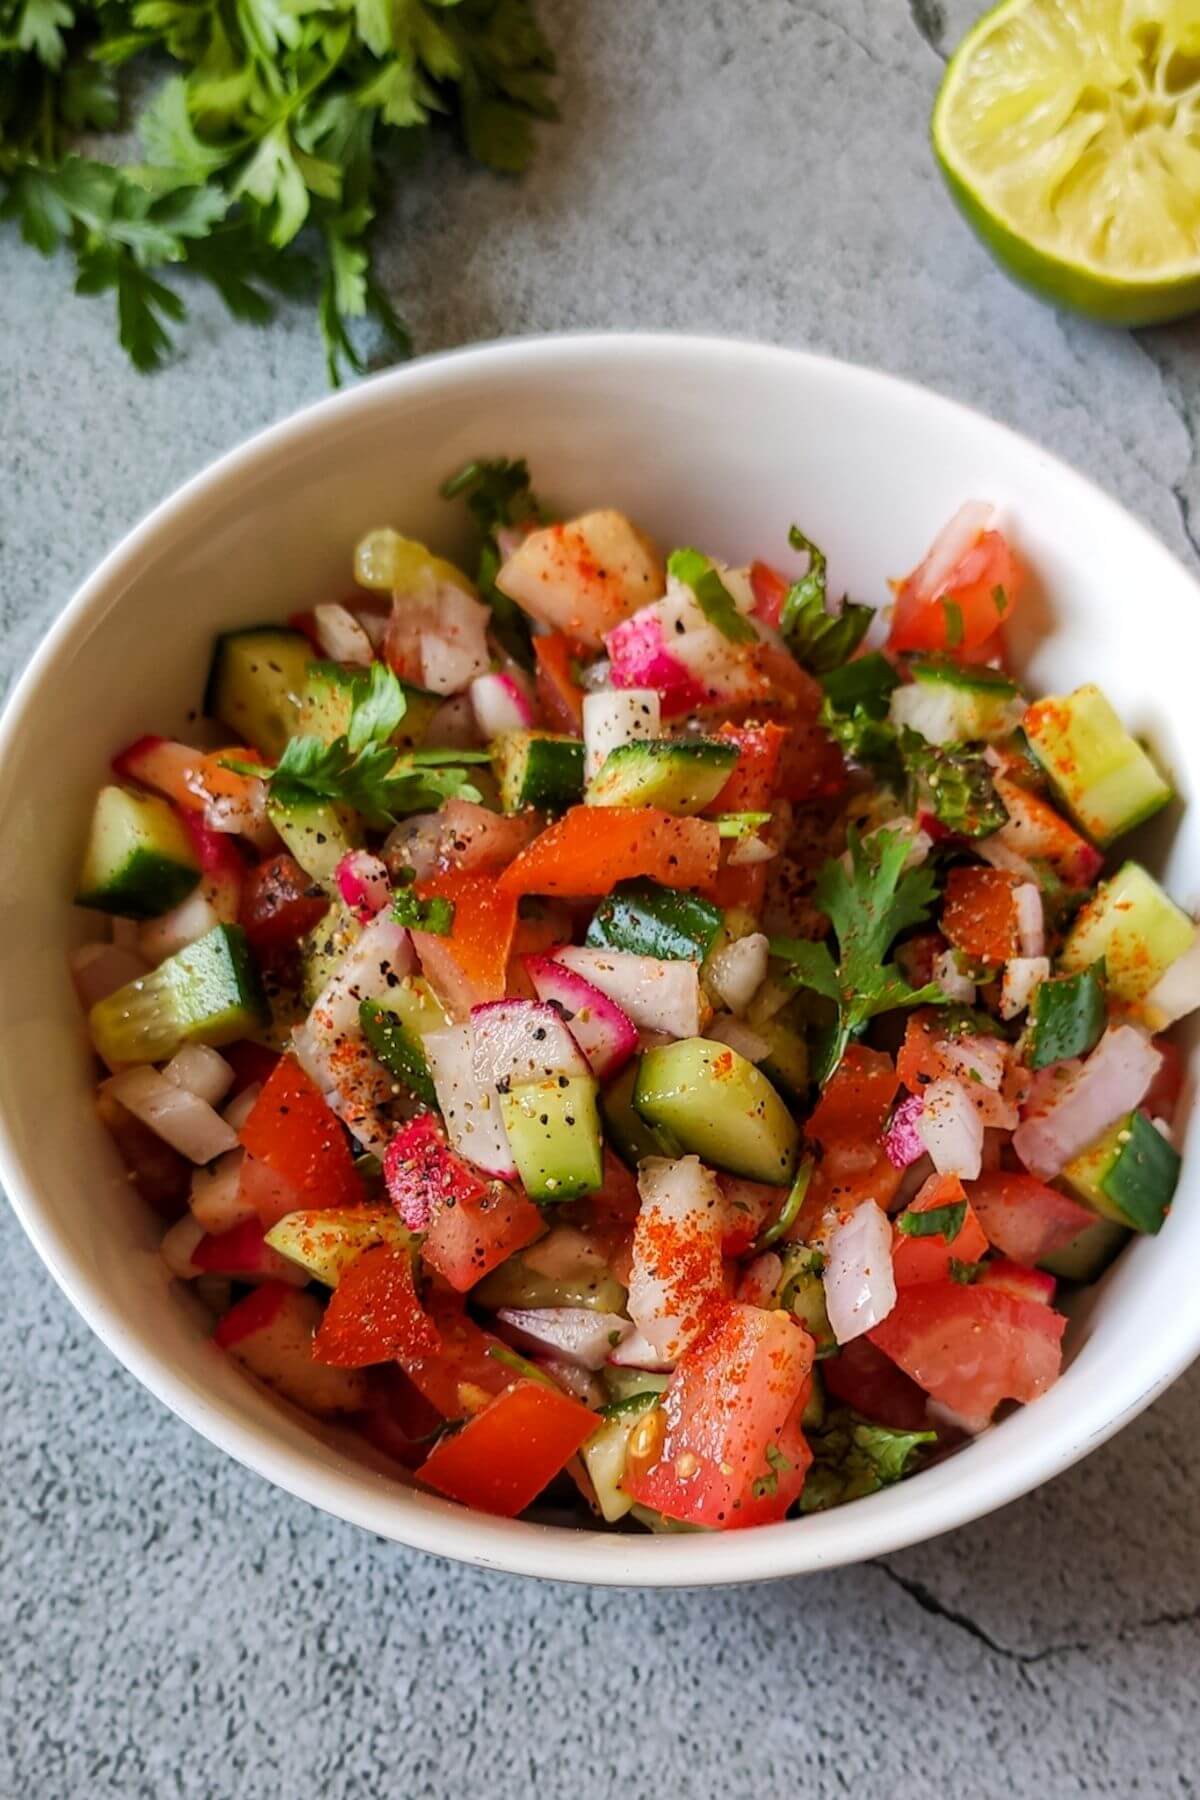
<point x="1069" y="134"/>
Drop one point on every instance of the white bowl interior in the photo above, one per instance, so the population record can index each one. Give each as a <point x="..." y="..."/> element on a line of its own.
<point x="712" y="442"/>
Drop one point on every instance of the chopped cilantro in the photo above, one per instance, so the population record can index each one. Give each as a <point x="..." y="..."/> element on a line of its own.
<point x="955" y="630"/>
<point x="853" y="1458"/>
<point x="935" y="1221"/>
<point x="713" y="598"/>
<point x="954" y="783"/>
<point x="820" y="639"/>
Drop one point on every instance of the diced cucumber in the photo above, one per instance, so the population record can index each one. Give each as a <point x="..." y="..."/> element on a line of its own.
<point x="605" y="1451"/>
<point x="630" y="1136"/>
<point x="648" y="920"/>
<point x="802" y="1293"/>
<point x="1087" y="1256"/>
<point x="1133" y="927"/>
<point x="627" y="1384"/>
<point x="950" y="703"/>
<point x="323" y="948"/>
<point x="1101" y="773"/>
<point x="517" y="1283"/>
<point x="554" y="1134"/>
<point x="719" y="1106"/>
<point x="681" y="775"/>
<point x="326" y="1242"/>
<point x="786" y="1061"/>
<point x="208" y="993"/>
<point x="538" y="768"/>
<point x="1066" y="1018"/>
<point x="317" y="832"/>
<point x="328" y="697"/>
<point x="1129" y="1175"/>
<point x="395" y="1025"/>
<point x="139" y="860"/>
<point x="255" y="684"/>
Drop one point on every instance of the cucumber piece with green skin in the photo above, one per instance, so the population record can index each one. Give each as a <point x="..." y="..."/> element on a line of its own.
<point x="786" y="1061"/>
<point x="553" y="1132"/>
<point x="1131" y="926"/>
<point x="255" y="683"/>
<point x="1102" y="774"/>
<point x="326" y="1242"/>
<point x="605" y="1451"/>
<point x="648" y="920"/>
<point x="395" y="1025"/>
<point x="322" y="949"/>
<point x="328" y="699"/>
<point x="317" y="832"/>
<point x="1067" y="1016"/>
<point x="630" y="1136"/>
<point x="538" y="768"/>
<point x="949" y="703"/>
<point x="720" y="1107"/>
<point x="801" y="1292"/>
<point x="515" y="1283"/>
<point x="680" y="775"/>
<point x="139" y="860"/>
<point x="1129" y="1175"/>
<point x="627" y="1384"/>
<point x="1087" y="1256"/>
<point x="208" y="993"/>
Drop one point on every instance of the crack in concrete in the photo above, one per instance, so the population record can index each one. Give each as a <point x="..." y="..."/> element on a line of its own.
<point x="1172" y="394"/>
<point x="930" y="21"/>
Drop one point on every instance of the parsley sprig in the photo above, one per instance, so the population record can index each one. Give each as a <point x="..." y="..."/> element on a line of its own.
<point x="868" y="905"/>
<point x="498" y="496"/>
<point x="362" y="769"/>
<point x="266" y="154"/>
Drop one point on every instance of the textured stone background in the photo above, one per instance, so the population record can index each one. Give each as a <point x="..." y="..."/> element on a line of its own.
<point x="169" y="1625"/>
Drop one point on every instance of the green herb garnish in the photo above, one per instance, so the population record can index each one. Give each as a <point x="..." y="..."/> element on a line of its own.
<point x="740" y="825"/>
<point x="789" y="1212"/>
<point x="713" y="598"/>
<point x="498" y="496"/>
<point x="954" y="783"/>
<point x="935" y="1221"/>
<point x="855" y="713"/>
<point x="820" y="639"/>
<point x="853" y="1458"/>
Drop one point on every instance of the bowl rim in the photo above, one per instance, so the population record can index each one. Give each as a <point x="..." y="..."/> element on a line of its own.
<point x="868" y="1528"/>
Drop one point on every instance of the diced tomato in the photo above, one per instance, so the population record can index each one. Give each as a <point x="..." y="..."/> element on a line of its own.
<point x="1162" y="1097"/>
<point x="469" y="964"/>
<point x="1023" y="1218"/>
<point x="772" y="1497"/>
<point x="503" y="1457"/>
<point x="812" y="766"/>
<point x="748" y="1206"/>
<point x="751" y="786"/>
<point x="265" y="1192"/>
<point x="724" y="1414"/>
<point x="293" y="1131"/>
<point x="1024" y="1284"/>
<point x="739" y="885"/>
<point x="862" y="1377"/>
<point x="250" y="1063"/>
<point x="280" y="904"/>
<point x="397" y="1419"/>
<point x="459" y="1376"/>
<point x="770" y="590"/>
<point x="591" y="848"/>
<point x="915" y="957"/>
<point x="960" y="609"/>
<point x="558" y="691"/>
<point x="1035" y="831"/>
<point x="244" y="1254"/>
<point x="254" y="1312"/>
<point x="979" y="913"/>
<point x="373" y="1315"/>
<point x="972" y="1347"/>
<point x="846" y="1176"/>
<point x="616" y="1202"/>
<point x="470" y="1237"/>
<point x="856" y="1100"/>
<point x="924" y="1057"/>
<point x="916" y="1259"/>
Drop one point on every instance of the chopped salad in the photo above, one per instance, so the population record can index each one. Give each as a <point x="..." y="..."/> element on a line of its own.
<point x="634" y="1032"/>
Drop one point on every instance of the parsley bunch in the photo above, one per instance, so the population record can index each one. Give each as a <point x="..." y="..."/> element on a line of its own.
<point x="265" y="161"/>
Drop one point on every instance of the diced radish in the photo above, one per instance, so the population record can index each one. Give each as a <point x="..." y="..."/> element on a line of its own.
<point x="656" y="995"/>
<point x="167" y="767"/>
<point x="179" y="1243"/>
<point x="455" y="650"/>
<point x="637" y="1352"/>
<point x="175" y="930"/>
<point x="606" y="1035"/>
<point x="98" y="970"/>
<point x="574" y="1333"/>
<point x="202" y="1070"/>
<point x="903" y="1143"/>
<point x="640" y="659"/>
<point x="500" y="703"/>
<point x="951" y="1129"/>
<point x="736" y="973"/>
<point x="760" y="1280"/>
<point x="362" y="881"/>
<point x="475" y="840"/>
<point x="1177" y="992"/>
<point x="373" y="964"/>
<point x="516" y="1041"/>
<point x="241" y="1106"/>
<point x="723" y="1028"/>
<point x="953" y="983"/>
<point x="470" y="1109"/>
<point x="613" y="718"/>
<point x="271" y="1332"/>
<point x="243" y="1254"/>
<point x="354" y="1085"/>
<point x="982" y="1061"/>
<point x="1111" y="1082"/>
<point x="340" y="637"/>
<point x="176" y="1115"/>
<point x="1022" y="975"/>
<point x="566" y="1254"/>
<point x="860" y="1288"/>
<point x="217" y="1198"/>
<point x="1031" y="924"/>
<point x="677" y="1275"/>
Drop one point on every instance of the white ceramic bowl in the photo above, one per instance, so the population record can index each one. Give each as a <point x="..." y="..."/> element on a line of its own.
<point x="706" y="441"/>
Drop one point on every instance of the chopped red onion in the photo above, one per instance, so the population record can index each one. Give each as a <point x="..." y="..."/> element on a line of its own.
<point x="949" y="977"/>
<point x="178" y="1244"/>
<point x="470" y="1108"/>
<point x="1022" y="975"/>
<point x="951" y="1129"/>
<point x="574" y="1333"/>
<point x="860" y="1288"/>
<point x="515" y="1041"/>
<point x="340" y="636"/>
<point x="1031" y="923"/>
<point x="173" y="1113"/>
<point x="725" y="1029"/>
<point x="676" y="1272"/>
<point x="216" y="1198"/>
<point x="1111" y="1082"/>
<point x="203" y="1071"/>
<point x="736" y="973"/>
<point x="902" y="1142"/>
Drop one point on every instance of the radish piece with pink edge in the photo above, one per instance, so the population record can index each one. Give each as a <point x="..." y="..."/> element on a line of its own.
<point x="604" y="1032"/>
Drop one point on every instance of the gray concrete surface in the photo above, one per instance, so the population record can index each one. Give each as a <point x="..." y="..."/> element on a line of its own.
<point x="169" y="1625"/>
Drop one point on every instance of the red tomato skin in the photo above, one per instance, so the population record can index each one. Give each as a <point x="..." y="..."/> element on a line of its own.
<point x="979" y="914"/>
<point x="279" y="904"/>
<point x="972" y="1347"/>
<point x="373" y="1313"/>
<point x="921" y="620"/>
<point x="770" y="590"/>
<point x="480" y="937"/>
<point x="503" y="1457"/>
<point x="397" y="1419"/>
<point x="916" y="1259"/>
<point x="1024" y="1218"/>
<point x="752" y="782"/>
<point x="251" y="1313"/>
<point x="453" y="1376"/>
<point x="293" y="1131"/>
<point x="846" y="1176"/>
<point x="470" y="1237"/>
<point x="558" y="691"/>
<point x="856" y="1100"/>
<point x="921" y="1061"/>
<point x="729" y="1401"/>
<point x="812" y="766"/>
<point x="1024" y="1284"/>
<point x="862" y="1377"/>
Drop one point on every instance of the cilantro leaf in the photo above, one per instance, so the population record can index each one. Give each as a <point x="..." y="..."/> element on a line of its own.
<point x="868" y="905"/>
<point x="820" y="639"/>
<point x="434" y="915"/>
<point x="695" y="571"/>
<point x="954" y="783"/>
<point x="935" y="1221"/>
<point x="855" y="713"/>
<point x="853" y="1458"/>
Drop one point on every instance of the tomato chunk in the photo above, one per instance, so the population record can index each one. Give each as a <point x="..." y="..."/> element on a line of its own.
<point x="470" y="1237"/>
<point x="972" y="1347"/>
<point x="915" y="1258"/>
<point x="724" y="1415"/>
<point x="294" y="1133"/>
<point x="469" y="963"/>
<point x="862" y="1377"/>
<point x="980" y="914"/>
<point x="397" y="1418"/>
<point x="374" y="1314"/>
<point x="770" y="590"/>
<point x="460" y="1375"/>
<point x="591" y="848"/>
<point x="751" y="786"/>
<point x="502" y="1458"/>
<point x="560" y="694"/>
<point x="1014" y="1278"/>
<point x="960" y="608"/>
<point x="1024" y="1218"/>
<point x="280" y="904"/>
<point x="856" y="1100"/>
